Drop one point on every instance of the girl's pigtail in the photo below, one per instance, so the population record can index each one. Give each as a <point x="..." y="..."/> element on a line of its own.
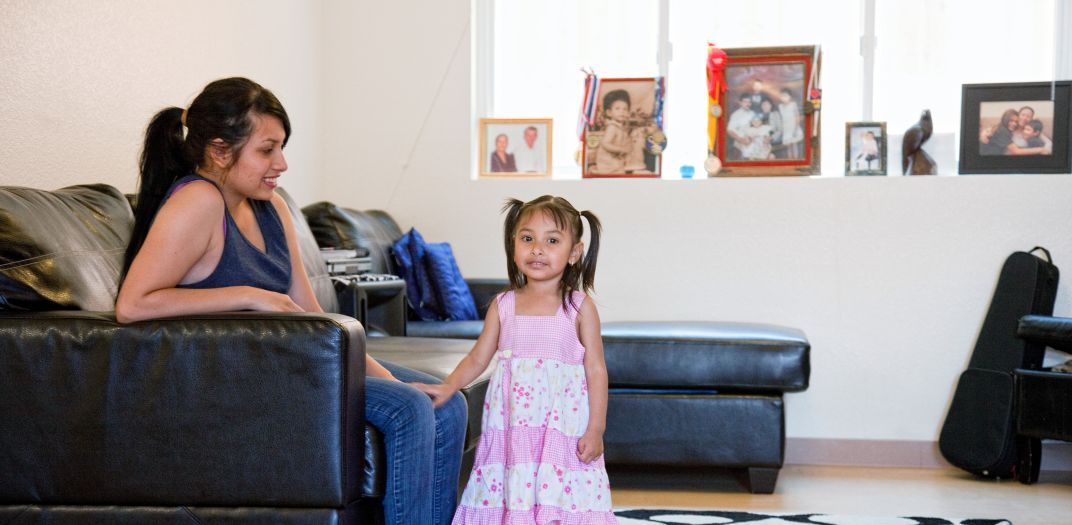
<point x="588" y="265"/>
<point x="162" y="162"/>
<point x="512" y="208"/>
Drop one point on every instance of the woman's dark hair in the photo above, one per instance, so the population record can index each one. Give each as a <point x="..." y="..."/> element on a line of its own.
<point x="1009" y="116"/>
<point x="224" y="111"/>
<point x="578" y="276"/>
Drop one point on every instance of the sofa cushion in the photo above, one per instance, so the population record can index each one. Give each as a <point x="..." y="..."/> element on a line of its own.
<point x="409" y="255"/>
<point x="706" y="355"/>
<point x="323" y="286"/>
<point x="342" y="228"/>
<point x="445" y="329"/>
<point x="434" y="284"/>
<point x="452" y="294"/>
<point x="62" y="249"/>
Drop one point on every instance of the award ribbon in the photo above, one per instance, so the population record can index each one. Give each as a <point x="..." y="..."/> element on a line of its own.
<point x="716" y="85"/>
<point x="590" y="103"/>
<point x="814" y="91"/>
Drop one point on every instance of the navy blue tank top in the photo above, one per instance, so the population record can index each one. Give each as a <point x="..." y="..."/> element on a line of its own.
<point x="242" y="263"/>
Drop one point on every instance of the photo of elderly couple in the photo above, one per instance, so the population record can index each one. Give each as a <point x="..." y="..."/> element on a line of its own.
<point x="516" y="146"/>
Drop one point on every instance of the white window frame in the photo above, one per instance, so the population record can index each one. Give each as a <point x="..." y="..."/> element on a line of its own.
<point x="482" y="79"/>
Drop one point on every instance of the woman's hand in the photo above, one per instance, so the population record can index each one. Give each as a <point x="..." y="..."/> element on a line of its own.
<point x="440" y="394"/>
<point x="590" y="446"/>
<point x="267" y="301"/>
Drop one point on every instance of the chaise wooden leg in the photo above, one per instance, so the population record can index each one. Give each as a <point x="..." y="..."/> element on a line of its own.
<point x="759" y="480"/>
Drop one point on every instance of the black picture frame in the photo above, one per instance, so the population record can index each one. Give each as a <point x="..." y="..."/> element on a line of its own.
<point x="978" y="103"/>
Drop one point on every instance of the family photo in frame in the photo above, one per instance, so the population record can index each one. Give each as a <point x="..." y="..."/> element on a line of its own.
<point x="617" y="139"/>
<point x="766" y="125"/>
<point x="515" y="147"/>
<point x="865" y="148"/>
<point x="1015" y="128"/>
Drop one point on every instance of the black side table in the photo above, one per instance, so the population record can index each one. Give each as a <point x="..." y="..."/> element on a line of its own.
<point x="379" y="305"/>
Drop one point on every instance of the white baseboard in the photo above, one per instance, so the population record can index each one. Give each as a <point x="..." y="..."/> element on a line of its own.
<point x="1056" y="455"/>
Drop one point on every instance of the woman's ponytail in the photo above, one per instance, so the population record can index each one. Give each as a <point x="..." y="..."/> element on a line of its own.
<point x="162" y="163"/>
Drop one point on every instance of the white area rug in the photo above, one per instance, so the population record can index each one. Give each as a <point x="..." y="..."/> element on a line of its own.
<point x="704" y="517"/>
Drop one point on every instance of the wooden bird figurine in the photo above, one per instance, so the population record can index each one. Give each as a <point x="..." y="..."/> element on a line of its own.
<point x="915" y="161"/>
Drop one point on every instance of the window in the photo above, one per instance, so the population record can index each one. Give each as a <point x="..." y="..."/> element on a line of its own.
<point x="925" y="50"/>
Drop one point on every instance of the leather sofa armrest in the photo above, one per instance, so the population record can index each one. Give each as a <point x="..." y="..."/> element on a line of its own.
<point x="484" y="292"/>
<point x="1055" y="332"/>
<point x="238" y="409"/>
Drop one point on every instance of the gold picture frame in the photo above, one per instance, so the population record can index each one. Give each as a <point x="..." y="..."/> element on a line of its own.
<point x="515" y="147"/>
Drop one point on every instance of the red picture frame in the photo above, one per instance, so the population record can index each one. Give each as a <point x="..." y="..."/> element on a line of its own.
<point x="638" y="162"/>
<point x="768" y="118"/>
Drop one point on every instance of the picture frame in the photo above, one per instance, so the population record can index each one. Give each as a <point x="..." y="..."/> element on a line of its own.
<point x="630" y="157"/>
<point x="788" y="78"/>
<point x="866" y="147"/>
<point x="526" y="147"/>
<point x="992" y="143"/>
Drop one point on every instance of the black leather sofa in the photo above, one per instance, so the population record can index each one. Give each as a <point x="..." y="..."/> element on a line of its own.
<point x="682" y="394"/>
<point x="226" y="419"/>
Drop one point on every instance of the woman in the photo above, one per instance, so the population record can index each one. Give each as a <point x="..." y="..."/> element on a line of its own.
<point x="501" y="161"/>
<point x="211" y="235"/>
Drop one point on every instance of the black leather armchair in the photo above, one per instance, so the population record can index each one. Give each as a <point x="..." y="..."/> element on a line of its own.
<point x="231" y="418"/>
<point x="1043" y="397"/>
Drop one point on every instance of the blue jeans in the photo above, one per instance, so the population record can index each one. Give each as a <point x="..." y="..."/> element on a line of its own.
<point x="424" y="447"/>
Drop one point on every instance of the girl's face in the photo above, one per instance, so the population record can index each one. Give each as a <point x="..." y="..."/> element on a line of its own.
<point x="618" y="111"/>
<point x="260" y="161"/>
<point x="542" y="250"/>
<point x="765" y="106"/>
<point x="1014" y="124"/>
<point x="785" y="97"/>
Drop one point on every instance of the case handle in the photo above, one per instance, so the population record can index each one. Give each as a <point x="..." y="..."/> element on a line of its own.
<point x="1045" y="251"/>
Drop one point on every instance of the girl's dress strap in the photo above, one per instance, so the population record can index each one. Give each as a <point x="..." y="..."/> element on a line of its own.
<point x="505" y="303"/>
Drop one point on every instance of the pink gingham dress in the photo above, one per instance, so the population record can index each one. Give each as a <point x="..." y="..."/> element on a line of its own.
<point x="526" y="469"/>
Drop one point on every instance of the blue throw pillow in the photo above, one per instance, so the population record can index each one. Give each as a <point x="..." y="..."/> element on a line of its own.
<point x="452" y="293"/>
<point x="409" y="254"/>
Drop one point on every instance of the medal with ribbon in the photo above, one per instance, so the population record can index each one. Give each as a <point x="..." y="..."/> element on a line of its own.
<point x="655" y="142"/>
<point x="716" y="85"/>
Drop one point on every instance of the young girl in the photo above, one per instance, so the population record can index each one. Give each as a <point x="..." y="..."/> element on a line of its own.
<point x="616" y="144"/>
<point x="540" y="454"/>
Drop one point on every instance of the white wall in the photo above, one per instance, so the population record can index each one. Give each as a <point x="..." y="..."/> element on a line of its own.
<point x="889" y="277"/>
<point x="80" y="79"/>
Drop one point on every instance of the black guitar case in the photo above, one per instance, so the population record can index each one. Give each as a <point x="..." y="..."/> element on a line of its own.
<point x="979" y="434"/>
